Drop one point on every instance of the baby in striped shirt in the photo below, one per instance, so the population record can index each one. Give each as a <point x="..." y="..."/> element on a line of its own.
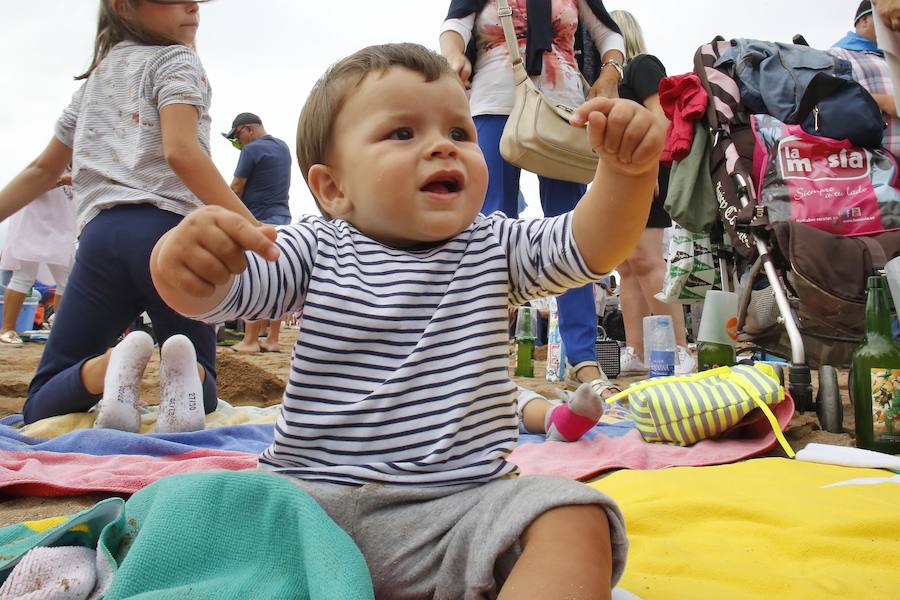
<point x="399" y="412"/>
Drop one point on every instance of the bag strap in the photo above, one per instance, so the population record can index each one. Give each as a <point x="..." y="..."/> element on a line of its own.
<point x="879" y="258"/>
<point x="773" y="421"/>
<point x="504" y="11"/>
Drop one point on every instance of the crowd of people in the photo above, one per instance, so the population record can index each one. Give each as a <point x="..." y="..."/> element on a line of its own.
<point x="399" y="412"/>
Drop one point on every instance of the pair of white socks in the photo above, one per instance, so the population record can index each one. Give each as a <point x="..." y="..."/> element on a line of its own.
<point x="181" y="392"/>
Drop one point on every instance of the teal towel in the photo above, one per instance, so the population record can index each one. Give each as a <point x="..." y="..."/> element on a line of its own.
<point x="218" y="534"/>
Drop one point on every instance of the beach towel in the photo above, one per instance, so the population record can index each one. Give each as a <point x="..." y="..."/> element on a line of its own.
<point x="763" y="528"/>
<point x="587" y="458"/>
<point x="223" y="416"/>
<point x="206" y="535"/>
<point x="75" y="460"/>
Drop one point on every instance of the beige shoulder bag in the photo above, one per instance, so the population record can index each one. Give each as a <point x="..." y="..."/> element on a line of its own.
<point x="538" y="137"/>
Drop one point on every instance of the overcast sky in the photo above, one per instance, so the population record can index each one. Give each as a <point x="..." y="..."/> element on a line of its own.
<point x="263" y="56"/>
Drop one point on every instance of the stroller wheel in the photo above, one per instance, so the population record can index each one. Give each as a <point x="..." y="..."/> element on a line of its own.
<point x="828" y="401"/>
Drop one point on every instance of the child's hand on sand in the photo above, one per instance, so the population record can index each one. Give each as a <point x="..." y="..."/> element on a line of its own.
<point x="626" y="135"/>
<point x="206" y="249"/>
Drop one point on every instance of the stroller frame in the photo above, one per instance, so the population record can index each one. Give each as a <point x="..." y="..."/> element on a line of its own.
<point x="746" y="222"/>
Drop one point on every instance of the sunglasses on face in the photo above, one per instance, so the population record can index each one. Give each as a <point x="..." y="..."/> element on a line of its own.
<point x="234" y="138"/>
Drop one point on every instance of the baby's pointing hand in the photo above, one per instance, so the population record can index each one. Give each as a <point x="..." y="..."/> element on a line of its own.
<point x="207" y="248"/>
<point x="626" y="135"/>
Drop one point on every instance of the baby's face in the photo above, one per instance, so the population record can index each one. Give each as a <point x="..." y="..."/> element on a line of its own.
<point x="406" y="157"/>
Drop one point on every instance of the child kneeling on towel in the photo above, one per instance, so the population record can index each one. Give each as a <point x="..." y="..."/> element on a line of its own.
<point x="399" y="411"/>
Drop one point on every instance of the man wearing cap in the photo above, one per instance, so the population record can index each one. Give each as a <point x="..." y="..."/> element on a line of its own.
<point x="870" y="69"/>
<point x="262" y="179"/>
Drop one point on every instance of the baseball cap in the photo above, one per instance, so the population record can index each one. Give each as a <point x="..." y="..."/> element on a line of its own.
<point x="244" y="118"/>
<point x="864" y="8"/>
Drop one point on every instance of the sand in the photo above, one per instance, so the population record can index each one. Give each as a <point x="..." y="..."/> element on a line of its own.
<point x="258" y="380"/>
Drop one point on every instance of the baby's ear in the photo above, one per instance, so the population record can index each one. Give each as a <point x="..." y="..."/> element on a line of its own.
<point x="327" y="190"/>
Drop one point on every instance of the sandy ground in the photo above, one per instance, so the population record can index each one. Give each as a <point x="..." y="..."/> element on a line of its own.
<point x="259" y="380"/>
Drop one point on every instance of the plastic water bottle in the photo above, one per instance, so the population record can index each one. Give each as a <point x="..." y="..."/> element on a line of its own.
<point x="659" y="345"/>
<point x="554" y="345"/>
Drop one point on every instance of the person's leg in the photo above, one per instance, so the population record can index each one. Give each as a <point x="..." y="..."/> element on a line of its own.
<point x="464" y="541"/>
<point x="577" y="312"/>
<point x="250" y="343"/>
<point x="634" y="308"/>
<point x="649" y="269"/>
<point x="562" y="421"/>
<point x="503" y="178"/>
<point x="14" y="297"/>
<point x="12" y="306"/>
<point x="272" y="341"/>
<point x="566" y="553"/>
<point x="167" y="322"/>
<point x="60" y="275"/>
<point x="100" y="304"/>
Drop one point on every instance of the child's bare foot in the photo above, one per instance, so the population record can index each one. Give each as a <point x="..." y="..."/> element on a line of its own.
<point x="118" y="408"/>
<point x="180" y="389"/>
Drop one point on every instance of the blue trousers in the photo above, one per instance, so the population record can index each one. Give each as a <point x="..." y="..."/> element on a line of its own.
<point x="108" y="288"/>
<point x="577" y="314"/>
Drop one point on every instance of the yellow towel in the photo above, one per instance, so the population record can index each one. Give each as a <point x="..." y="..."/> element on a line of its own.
<point x="764" y="528"/>
<point x="224" y="415"/>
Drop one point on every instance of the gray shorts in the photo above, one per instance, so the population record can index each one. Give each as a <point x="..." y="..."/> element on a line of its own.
<point x="452" y="542"/>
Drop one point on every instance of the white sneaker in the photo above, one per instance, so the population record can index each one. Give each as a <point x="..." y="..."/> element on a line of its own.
<point x="686" y="362"/>
<point x="630" y="364"/>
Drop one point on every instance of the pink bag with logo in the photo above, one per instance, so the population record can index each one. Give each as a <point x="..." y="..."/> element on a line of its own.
<point x="825" y="183"/>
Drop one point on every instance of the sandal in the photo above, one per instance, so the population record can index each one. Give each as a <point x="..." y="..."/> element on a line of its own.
<point x="10" y="338"/>
<point x="601" y="386"/>
<point x="572" y="381"/>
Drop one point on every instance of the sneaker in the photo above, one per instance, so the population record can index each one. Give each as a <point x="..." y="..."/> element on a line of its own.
<point x="686" y="362"/>
<point x="630" y="363"/>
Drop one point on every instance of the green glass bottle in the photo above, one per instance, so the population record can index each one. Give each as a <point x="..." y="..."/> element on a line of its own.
<point x="875" y="376"/>
<point x="525" y="339"/>
<point x="711" y="355"/>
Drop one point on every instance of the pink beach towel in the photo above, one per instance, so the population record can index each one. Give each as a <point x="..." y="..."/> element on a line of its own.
<point x="588" y="458"/>
<point x="65" y="474"/>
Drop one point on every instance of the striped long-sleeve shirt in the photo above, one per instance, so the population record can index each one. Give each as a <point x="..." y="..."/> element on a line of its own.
<point x="400" y="372"/>
<point x="113" y="126"/>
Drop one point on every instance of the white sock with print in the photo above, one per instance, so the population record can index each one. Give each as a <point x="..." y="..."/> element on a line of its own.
<point x="118" y="409"/>
<point x="180" y="389"/>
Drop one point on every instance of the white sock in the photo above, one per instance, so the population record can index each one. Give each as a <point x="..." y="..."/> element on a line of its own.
<point x="57" y="573"/>
<point x="122" y="383"/>
<point x="180" y="390"/>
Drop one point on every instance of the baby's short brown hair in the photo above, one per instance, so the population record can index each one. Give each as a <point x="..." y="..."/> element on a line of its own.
<point x="314" y="131"/>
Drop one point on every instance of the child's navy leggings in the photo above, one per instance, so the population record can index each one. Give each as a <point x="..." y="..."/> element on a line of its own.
<point x="108" y="288"/>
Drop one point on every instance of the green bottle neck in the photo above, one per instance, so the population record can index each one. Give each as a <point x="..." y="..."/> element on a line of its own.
<point x="878" y="313"/>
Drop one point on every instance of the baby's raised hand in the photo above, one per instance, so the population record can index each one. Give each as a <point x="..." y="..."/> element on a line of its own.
<point x="626" y="135"/>
<point x="206" y="249"/>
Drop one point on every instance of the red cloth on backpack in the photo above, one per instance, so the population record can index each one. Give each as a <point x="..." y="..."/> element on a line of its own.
<point x="683" y="99"/>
